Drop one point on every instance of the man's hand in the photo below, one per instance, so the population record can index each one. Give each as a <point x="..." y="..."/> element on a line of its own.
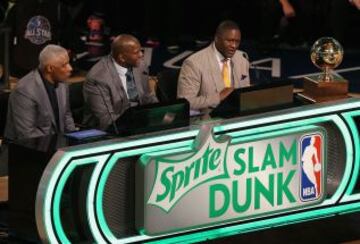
<point x="226" y="92"/>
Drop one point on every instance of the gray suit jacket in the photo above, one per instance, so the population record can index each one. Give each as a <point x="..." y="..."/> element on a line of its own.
<point x="29" y="110"/>
<point x="105" y="95"/>
<point x="200" y="80"/>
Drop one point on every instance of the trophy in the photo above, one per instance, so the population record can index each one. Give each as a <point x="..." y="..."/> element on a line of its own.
<point x="326" y="54"/>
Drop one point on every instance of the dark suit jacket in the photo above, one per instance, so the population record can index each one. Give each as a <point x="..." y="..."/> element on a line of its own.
<point x="105" y="95"/>
<point x="30" y="113"/>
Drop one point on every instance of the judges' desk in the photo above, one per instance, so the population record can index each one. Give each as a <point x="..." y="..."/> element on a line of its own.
<point x="190" y="184"/>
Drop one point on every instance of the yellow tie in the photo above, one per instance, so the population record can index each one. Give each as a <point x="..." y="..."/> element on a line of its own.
<point x="225" y="74"/>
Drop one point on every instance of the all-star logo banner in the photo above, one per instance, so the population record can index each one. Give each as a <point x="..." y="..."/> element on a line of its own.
<point x="224" y="179"/>
<point x="38" y="30"/>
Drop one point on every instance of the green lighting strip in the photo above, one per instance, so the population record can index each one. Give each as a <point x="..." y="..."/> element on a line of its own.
<point x="353" y="104"/>
<point x="99" y="197"/>
<point x="355" y="134"/>
<point x="61" y="166"/>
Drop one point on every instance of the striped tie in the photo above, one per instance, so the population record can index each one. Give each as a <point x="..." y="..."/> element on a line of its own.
<point x="131" y="88"/>
<point x="225" y="73"/>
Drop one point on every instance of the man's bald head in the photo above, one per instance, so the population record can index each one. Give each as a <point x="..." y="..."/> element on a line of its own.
<point x="123" y="43"/>
<point x="126" y="50"/>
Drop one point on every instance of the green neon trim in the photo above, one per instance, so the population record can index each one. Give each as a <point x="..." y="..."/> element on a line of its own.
<point x="350" y="120"/>
<point x="273" y="134"/>
<point x="300" y="114"/>
<point x="57" y="196"/>
<point x="99" y="207"/>
<point x="349" y="157"/>
<point x="90" y="195"/>
<point x="283" y="126"/>
<point x="76" y="152"/>
<point x="103" y="178"/>
<point x="48" y="226"/>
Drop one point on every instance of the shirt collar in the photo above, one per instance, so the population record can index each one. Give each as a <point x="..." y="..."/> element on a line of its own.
<point x="119" y="69"/>
<point x="47" y="83"/>
<point x="219" y="56"/>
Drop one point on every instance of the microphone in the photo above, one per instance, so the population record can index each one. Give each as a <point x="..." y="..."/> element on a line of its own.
<point x="107" y="109"/>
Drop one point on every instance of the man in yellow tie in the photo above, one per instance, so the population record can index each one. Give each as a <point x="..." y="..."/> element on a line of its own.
<point x="210" y="75"/>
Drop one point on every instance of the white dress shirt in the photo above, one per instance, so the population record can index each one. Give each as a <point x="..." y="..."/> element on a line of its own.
<point x="121" y="72"/>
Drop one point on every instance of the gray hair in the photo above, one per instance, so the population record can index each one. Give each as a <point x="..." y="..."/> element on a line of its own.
<point x="50" y="53"/>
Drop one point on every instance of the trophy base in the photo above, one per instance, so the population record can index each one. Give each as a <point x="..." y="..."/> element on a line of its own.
<point x="321" y="91"/>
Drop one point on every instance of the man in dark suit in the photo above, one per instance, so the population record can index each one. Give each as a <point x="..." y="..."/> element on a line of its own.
<point x="39" y="105"/>
<point x="116" y="83"/>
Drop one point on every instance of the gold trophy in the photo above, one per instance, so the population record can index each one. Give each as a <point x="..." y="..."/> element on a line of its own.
<point x="326" y="54"/>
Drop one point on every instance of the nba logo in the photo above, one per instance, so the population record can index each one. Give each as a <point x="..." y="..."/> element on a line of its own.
<point x="311" y="167"/>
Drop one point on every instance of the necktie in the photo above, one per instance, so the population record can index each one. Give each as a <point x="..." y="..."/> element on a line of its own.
<point x="130" y="85"/>
<point x="225" y="73"/>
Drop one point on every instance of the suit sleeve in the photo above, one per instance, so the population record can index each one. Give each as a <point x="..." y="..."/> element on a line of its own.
<point x="245" y="65"/>
<point x="69" y="121"/>
<point x="25" y="116"/>
<point x="189" y="86"/>
<point x="149" y="97"/>
<point x="97" y="97"/>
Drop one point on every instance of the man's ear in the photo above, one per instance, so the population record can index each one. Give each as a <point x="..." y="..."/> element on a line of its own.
<point x="49" y="68"/>
<point x="121" y="58"/>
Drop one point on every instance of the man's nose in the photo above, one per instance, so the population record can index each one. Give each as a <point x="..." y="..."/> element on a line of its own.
<point x="233" y="44"/>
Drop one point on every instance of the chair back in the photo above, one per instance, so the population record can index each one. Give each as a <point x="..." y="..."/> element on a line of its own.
<point x="166" y="89"/>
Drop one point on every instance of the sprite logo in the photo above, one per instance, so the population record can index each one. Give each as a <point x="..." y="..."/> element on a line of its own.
<point x="244" y="178"/>
<point x="175" y="178"/>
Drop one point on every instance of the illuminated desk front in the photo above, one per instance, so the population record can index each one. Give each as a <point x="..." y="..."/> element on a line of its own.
<point x="197" y="183"/>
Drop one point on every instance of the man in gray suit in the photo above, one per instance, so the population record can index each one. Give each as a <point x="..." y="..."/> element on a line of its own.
<point x="210" y="75"/>
<point x="39" y="105"/>
<point x="115" y="83"/>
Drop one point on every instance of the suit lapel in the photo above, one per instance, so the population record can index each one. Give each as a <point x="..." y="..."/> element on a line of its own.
<point x="138" y="81"/>
<point x="43" y="96"/>
<point x="235" y="74"/>
<point x="215" y="69"/>
<point x="115" y="77"/>
<point x="61" y="97"/>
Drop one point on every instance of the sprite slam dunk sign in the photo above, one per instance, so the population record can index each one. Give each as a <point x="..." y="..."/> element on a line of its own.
<point x="226" y="179"/>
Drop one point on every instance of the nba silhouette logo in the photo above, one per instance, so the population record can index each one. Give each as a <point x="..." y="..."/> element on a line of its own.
<point x="311" y="167"/>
